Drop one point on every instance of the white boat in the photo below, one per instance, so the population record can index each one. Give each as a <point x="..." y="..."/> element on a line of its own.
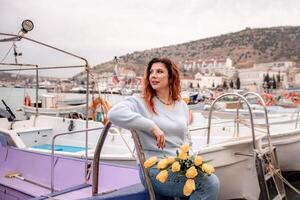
<point x="126" y="91"/>
<point x="25" y="174"/>
<point x="80" y="89"/>
<point x="36" y="135"/>
<point x="283" y="129"/>
<point x="102" y="87"/>
<point x="189" y="97"/>
<point x="54" y="105"/>
<point x="113" y="90"/>
<point x="237" y="173"/>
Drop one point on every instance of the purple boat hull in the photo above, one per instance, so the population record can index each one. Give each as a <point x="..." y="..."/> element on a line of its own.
<point x="68" y="173"/>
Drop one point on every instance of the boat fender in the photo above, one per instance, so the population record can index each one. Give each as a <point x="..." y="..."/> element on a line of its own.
<point x="269" y="99"/>
<point x="104" y="106"/>
<point x="27" y="100"/>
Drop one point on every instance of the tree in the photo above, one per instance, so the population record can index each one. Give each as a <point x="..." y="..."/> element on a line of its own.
<point x="266" y="83"/>
<point x="225" y="86"/>
<point x="231" y="84"/>
<point x="278" y="77"/>
<point x="267" y="78"/>
<point x="238" y="83"/>
<point x="184" y="72"/>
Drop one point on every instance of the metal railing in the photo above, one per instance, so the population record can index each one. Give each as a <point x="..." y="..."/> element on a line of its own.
<point x="14" y="37"/>
<point x="53" y="149"/>
<point x="265" y="114"/>
<point x="250" y="115"/>
<point x="140" y="154"/>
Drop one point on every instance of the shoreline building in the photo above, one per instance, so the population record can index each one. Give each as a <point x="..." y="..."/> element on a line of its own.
<point x="253" y="78"/>
<point x="202" y="81"/>
<point x="210" y="66"/>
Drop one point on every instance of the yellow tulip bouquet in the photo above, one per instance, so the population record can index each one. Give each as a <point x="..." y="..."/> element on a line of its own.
<point x="184" y="164"/>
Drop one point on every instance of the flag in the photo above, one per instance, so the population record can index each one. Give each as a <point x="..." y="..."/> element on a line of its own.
<point x="116" y="73"/>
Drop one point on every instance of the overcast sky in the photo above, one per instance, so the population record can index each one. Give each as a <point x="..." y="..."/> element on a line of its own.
<point x="101" y="29"/>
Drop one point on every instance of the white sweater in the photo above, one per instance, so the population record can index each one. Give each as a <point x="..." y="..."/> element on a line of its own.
<point x="133" y="114"/>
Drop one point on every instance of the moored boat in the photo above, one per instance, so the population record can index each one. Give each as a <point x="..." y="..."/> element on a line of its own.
<point x="52" y="105"/>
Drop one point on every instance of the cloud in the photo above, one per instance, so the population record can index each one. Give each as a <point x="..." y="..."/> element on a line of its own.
<point x="100" y="29"/>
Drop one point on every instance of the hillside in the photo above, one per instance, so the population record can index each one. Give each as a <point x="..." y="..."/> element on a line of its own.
<point x="244" y="47"/>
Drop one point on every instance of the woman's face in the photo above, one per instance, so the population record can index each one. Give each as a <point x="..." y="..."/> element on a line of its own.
<point x="159" y="77"/>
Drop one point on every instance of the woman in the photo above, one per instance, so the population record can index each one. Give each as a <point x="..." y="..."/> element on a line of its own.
<point x="161" y="118"/>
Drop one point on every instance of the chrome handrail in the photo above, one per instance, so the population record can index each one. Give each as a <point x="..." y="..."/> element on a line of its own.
<point x="87" y="69"/>
<point x="95" y="181"/>
<point x="141" y="157"/>
<point x="52" y="151"/>
<point x="265" y="112"/>
<point x="140" y="153"/>
<point x="250" y="115"/>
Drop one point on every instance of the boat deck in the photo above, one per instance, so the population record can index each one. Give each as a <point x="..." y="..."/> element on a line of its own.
<point x="68" y="173"/>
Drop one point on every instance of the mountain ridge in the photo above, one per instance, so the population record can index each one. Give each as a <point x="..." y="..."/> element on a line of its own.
<point x="244" y="47"/>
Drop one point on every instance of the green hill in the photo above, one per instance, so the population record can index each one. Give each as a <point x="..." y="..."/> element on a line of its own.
<point x="244" y="47"/>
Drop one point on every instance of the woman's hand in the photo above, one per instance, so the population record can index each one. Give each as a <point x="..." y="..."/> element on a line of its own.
<point x="191" y="118"/>
<point x="159" y="136"/>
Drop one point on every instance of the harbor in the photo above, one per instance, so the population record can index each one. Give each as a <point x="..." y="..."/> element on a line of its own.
<point x="217" y="117"/>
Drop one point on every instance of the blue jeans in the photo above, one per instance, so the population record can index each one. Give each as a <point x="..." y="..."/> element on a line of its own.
<point x="207" y="187"/>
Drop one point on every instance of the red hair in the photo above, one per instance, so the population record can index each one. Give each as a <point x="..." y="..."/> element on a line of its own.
<point x="174" y="82"/>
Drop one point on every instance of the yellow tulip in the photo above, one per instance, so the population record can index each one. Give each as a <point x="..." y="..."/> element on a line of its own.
<point x="191" y="172"/>
<point x="176" y="167"/>
<point x="185" y="148"/>
<point x="162" y="176"/>
<point x="198" y="160"/>
<point x="189" y="187"/>
<point x="162" y="164"/>
<point x="150" y="162"/>
<point x="183" y="155"/>
<point x="208" y="168"/>
<point x="171" y="159"/>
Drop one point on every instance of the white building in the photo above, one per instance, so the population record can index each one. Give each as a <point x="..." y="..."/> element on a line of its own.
<point x="223" y="66"/>
<point x="280" y="65"/>
<point x="202" y="81"/>
<point x="208" y="81"/>
<point x="254" y="77"/>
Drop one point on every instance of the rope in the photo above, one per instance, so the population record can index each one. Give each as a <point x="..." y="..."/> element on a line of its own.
<point x="271" y="167"/>
<point x="7" y="53"/>
<point x="257" y="127"/>
<point x="205" y="127"/>
<point x="127" y="145"/>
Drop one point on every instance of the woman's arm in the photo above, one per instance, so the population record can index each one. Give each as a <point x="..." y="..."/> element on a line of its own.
<point x="128" y="114"/>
